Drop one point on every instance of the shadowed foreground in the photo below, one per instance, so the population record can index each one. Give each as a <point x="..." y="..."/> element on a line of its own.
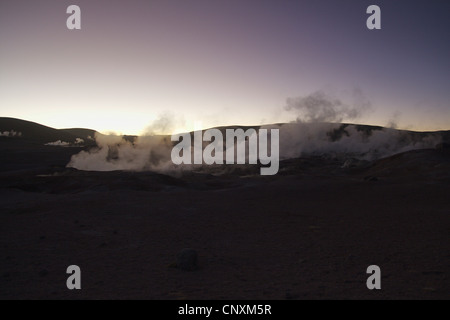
<point x="308" y="233"/>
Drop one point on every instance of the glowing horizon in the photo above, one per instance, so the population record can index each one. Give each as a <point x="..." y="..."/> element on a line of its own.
<point x="222" y="63"/>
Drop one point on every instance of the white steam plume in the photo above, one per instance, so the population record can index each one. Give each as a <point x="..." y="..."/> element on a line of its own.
<point x="322" y="107"/>
<point x="343" y="141"/>
<point x="11" y="133"/>
<point x="58" y="143"/>
<point x="118" y="153"/>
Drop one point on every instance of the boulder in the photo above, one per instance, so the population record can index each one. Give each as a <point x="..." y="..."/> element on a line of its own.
<point x="187" y="259"/>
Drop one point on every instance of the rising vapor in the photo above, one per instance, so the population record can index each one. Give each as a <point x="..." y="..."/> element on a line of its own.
<point x="318" y="130"/>
<point x="147" y="153"/>
<point x="320" y="106"/>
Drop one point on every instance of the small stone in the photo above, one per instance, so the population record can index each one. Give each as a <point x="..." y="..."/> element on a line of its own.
<point x="290" y="296"/>
<point x="43" y="273"/>
<point x="187" y="259"/>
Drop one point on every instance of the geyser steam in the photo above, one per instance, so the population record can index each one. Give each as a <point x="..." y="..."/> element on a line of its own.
<point x="322" y="107"/>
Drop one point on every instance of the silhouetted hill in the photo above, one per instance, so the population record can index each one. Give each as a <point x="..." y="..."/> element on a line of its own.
<point x="85" y="134"/>
<point x="37" y="133"/>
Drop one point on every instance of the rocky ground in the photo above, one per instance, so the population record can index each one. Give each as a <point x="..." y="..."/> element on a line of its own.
<point x="309" y="232"/>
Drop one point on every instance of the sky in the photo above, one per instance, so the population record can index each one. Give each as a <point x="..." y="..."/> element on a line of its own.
<point x="217" y="62"/>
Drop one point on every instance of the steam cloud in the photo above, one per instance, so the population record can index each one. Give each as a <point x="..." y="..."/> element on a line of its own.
<point x="164" y="124"/>
<point x="317" y="131"/>
<point x="149" y="152"/>
<point x="58" y="143"/>
<point x="11" y="133"/>
<point x="344" y="141"/>
<point x="120" y="153"/>
<point x="331" y="140"/>
<point x="322" y="107"/>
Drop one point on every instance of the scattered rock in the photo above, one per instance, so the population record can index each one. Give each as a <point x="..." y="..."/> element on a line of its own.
<point x="43" y="272"/>
<point x="187" y="259"/>
<point x="290" y="296"/>
<point x="443" y="147"/>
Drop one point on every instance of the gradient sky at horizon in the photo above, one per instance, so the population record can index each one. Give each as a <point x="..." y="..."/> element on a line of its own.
<point x="220" y="62"/>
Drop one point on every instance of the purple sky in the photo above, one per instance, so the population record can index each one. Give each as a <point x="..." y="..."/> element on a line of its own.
<point x="221" y="62"/>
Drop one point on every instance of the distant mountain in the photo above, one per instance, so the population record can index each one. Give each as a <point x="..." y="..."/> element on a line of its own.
<point x="85" y="134"/>
<point x="28" y="131"/>
<point x="24" y="145"/>
<point x="37" y="133"/>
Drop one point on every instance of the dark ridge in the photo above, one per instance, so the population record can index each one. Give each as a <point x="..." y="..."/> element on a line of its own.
<point x="337" y="134"/>
<point x="131" y="139"/>
<point x="37" y="133"/>
<point x="85" y="134"/>
<point x="71" y="181"/>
